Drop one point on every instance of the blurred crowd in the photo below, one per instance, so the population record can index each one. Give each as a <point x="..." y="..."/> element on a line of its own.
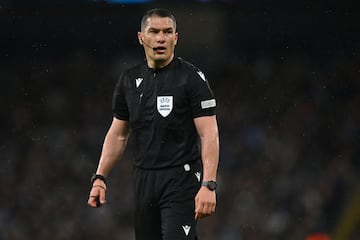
<point x="289" y="137"/>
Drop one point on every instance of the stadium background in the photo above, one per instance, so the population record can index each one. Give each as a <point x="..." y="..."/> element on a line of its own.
<point x="286" y="76"/>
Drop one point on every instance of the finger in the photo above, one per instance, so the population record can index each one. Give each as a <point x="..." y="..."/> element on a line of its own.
<point x="92" y="197"/>
<point x="200" y="212"/>
<point x="92" y="202"/>
<point x="205" y="211"/>
<point x="101" y="198"/>
<point x="199" y="216"/>
<point x="208" y="210"/>
<point x="213" y="208"/>
<point x="208" y="207"/>
<point x="197" y="210"/>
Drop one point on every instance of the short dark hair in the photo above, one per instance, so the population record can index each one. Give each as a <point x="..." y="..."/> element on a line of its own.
<point x="160" y="12"/>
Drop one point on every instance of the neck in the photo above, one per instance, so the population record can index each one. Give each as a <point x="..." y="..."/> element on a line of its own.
<point x="159" y="64"/>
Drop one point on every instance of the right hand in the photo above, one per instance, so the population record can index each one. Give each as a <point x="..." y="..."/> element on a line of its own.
<point x="97" y="194"/>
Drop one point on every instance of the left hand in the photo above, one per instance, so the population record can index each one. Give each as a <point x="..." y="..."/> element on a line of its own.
<point x="205" y="203"/>
<point x="97" y="194"/>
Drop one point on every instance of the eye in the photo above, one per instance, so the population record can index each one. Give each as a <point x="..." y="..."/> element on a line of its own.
<point x="152" y="30"/>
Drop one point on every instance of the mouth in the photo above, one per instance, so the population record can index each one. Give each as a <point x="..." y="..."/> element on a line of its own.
<point x="159" y="49"/>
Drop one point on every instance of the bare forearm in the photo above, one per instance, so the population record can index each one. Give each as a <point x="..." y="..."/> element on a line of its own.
<point x="113" y="147"/>
<point x="209" y="136"/>
<point x="210" y="156"/>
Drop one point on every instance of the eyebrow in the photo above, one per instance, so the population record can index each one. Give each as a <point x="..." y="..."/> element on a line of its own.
<point x="164" y="29"/>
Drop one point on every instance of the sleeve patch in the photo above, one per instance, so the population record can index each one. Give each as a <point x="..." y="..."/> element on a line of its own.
<point x="208" y="103"/>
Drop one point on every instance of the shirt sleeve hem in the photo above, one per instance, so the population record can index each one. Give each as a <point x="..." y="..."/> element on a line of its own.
<point x="121" y="117"/>
<point x="203" y="114"/>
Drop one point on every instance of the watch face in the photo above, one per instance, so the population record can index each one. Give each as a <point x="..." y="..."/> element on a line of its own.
<point x="212" y="185"/>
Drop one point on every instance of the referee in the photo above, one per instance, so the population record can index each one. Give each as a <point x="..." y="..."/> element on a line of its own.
<point x="169" y="107"/>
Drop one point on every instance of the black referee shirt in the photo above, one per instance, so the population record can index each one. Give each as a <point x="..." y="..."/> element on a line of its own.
<point x="160" y="105"/>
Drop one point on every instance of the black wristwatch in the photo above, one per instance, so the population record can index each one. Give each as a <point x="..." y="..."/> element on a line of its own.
<point x="211" y="185"/>
<point x="97" y="176"/>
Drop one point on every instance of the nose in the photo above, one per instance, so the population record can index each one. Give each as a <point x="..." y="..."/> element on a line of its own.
<point x="161" y="37"/>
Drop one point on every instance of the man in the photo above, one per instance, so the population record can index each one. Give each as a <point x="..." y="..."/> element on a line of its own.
<point x="168" y="105"/>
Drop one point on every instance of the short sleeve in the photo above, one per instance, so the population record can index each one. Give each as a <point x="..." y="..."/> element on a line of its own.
<point x="202" y="100"/>
<point x="119" y="104"/>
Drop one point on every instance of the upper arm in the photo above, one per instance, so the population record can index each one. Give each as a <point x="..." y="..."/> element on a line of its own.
<point x="119" y="128"/>
<point x="119" y="104"/>
<point x="201" y="97"/>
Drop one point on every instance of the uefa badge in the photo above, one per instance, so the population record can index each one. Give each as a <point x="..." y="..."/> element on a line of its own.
<point x="164" y="105"/>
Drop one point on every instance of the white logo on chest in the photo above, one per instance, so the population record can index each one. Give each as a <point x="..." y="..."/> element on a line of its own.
<point x="164" y="105"/>
<point x="198" y="176"/>
<point x="138" y="81"/>
<point x="186" y="229"/>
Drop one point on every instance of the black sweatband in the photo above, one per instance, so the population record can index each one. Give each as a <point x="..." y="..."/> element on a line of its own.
<point x="97" y="176"/>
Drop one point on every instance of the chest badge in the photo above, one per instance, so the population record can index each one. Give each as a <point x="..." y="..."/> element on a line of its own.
<point x="164" y="105"/>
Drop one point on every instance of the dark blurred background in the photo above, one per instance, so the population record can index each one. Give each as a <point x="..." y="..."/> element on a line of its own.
<point x="286" y="75"/>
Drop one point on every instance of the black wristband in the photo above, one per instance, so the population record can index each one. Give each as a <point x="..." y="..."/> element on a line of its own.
<point x="97" y="176"/>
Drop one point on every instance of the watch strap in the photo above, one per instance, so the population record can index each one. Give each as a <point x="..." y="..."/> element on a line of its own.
<point x="211" y="184"/>
<point x="97" y="176"/>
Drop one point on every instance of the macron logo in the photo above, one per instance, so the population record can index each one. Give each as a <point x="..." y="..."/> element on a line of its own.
<point x="138" y="81"/>
<point x="198" y="175"/>
<point x="186" y="229"/>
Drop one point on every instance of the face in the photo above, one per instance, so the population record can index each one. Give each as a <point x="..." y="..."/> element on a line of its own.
<point x="158" y="39"/>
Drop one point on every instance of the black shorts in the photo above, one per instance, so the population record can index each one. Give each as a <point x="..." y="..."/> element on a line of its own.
<point x="165" y="202"/>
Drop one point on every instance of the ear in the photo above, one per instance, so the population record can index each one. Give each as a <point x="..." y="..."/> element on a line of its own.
<point x="140" y="38"/>
<point x="176" y="38"/>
